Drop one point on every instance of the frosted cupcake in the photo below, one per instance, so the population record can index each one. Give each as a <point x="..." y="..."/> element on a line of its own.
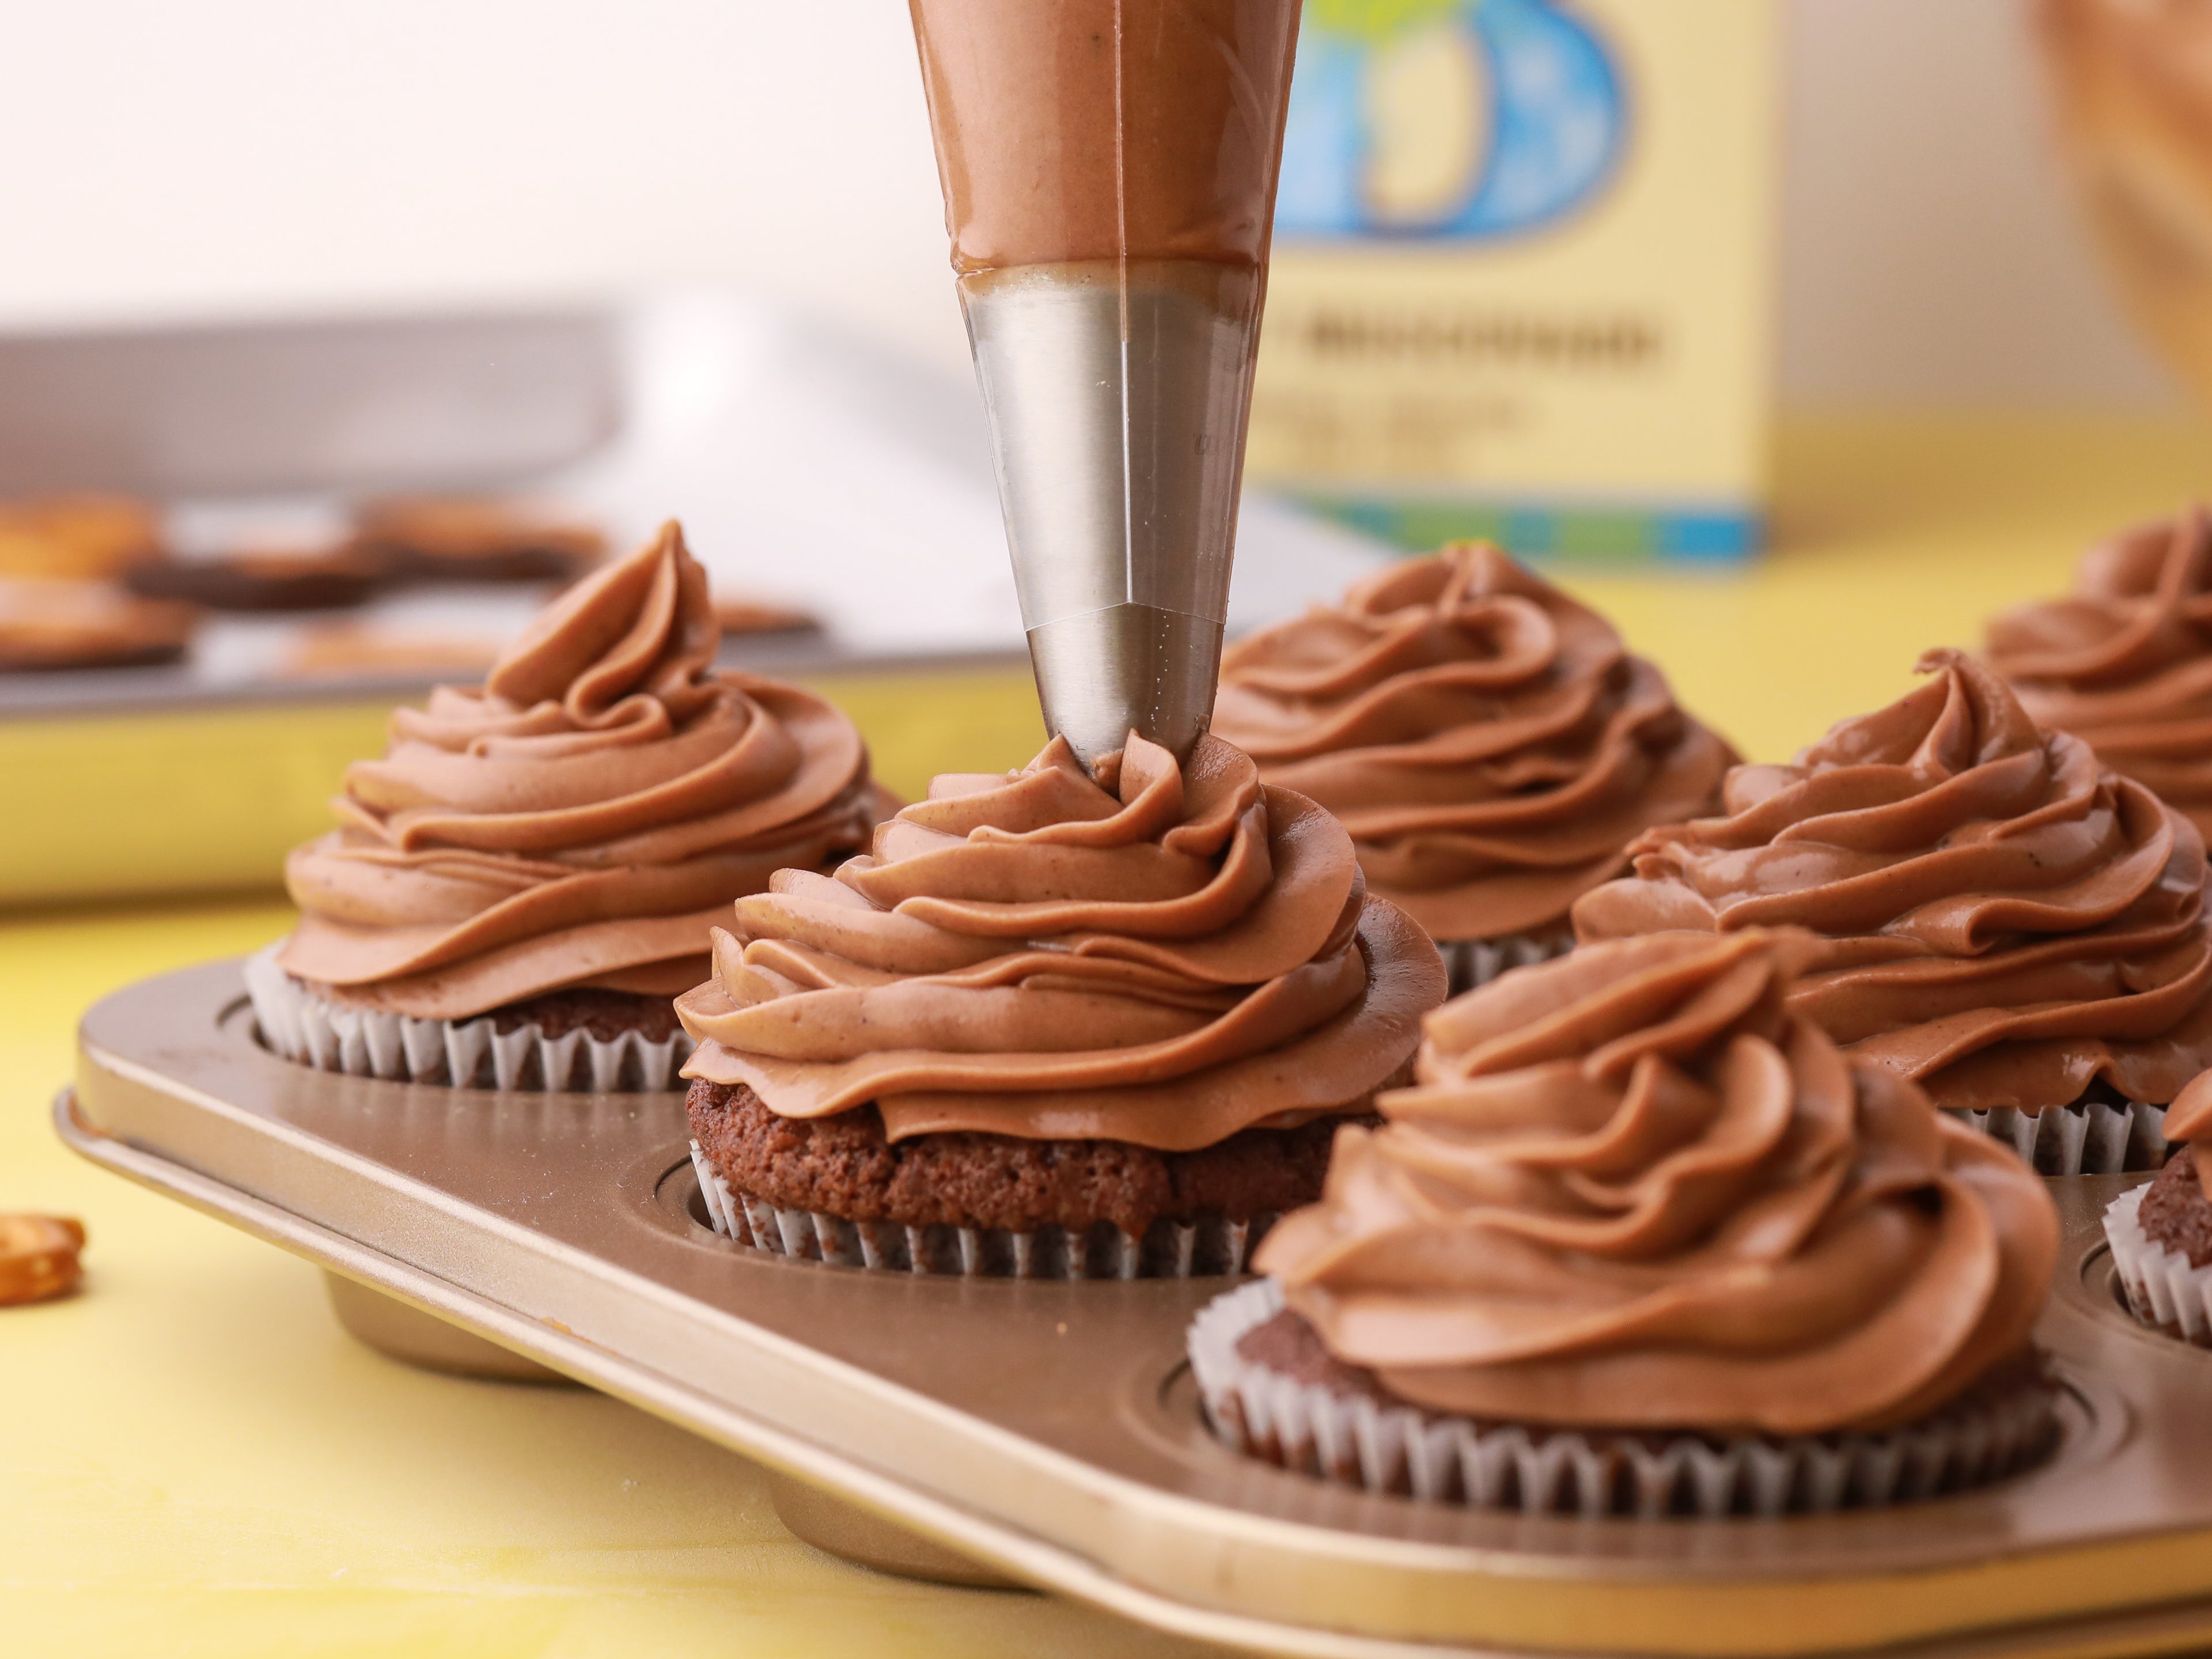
<point x="1643" y="1240"/>
<point x="532" y="870"/>
<point x="1489" y="743"/>
<point x="2125" y="662"/>
<point x="2161" y="1232"/>
<point x="1053" y="1025"/>
<point x="2002" y="921"/>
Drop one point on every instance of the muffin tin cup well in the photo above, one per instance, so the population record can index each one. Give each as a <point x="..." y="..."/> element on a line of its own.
<point x="471" y="1054"/>
<point x="1052" y="1431"/>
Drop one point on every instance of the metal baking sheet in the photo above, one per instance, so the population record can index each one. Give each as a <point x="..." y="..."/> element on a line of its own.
<point x="1050" y="1432"/>
<point x="810" y="467"/>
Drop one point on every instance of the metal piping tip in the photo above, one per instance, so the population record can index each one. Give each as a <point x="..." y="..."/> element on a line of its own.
<point x="1104" y="674"/>
<point x="1118" y="393"/>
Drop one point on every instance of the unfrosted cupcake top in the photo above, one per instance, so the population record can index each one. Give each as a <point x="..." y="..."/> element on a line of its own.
<point x="1161" y="955"/>
<point x="2002" y="918"/>
<point x="1489" y="743"/>
<point x="1632" y="1189"/>
<point x="583" y="819"/>
<point x="2125" y="661"/>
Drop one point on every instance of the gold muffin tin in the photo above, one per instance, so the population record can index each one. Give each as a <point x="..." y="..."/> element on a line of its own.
<point x="1048" y="1433"/>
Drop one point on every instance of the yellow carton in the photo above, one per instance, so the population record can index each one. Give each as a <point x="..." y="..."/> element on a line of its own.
<point x="1523" y="282"/>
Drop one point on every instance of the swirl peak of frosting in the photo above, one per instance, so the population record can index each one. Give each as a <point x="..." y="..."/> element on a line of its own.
<point x="1490" y="744"/>
<point x="2001" y="919"/>
<point x="1631" y="1188"/>
<point x="2125" y="662"/>
<point x="580" y="819"/>
<point x="1159" y="954"/>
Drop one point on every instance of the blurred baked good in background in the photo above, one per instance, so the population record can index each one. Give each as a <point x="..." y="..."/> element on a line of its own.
<point x="348" y="650"/>
<point x="739" y="615"/>
<point x="76" y="537"/>
<point x="463" y="538"/>
<point x="2133" y="84"/>
<point x="48" y="624"/>
<point x="308" y="579"/>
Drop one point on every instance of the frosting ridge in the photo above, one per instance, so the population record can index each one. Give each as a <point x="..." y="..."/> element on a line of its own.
<point x="1631" y="1188"/>
<point x="1489" y="742"/>
<point x="583" y="817"/>
<point x="2189" y="1119"/>
<point x="1161" y="955"/>
<point x="2001" y="919"/>
<point x="2125" y="662"/>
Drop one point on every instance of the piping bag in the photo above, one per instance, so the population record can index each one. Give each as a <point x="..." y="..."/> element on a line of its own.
<point x="1109" y="171"/>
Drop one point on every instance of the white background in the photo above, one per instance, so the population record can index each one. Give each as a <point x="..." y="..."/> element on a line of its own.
<point x="195" y="158"/>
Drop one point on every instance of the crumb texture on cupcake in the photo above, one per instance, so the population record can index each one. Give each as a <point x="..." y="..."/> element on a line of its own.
<point x="2125" y="662"/>
<point x="2176" y="1213"/>
<point x="1633" y="1189"/>
<point x="582" y="819"/>
<point x="847" y="1166"/>
<point x="1162" y="956"/>
<point x="1490" y="744"/>
<point x="2002" y="918"/>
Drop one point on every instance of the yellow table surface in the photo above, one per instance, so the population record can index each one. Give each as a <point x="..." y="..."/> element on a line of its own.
<point x="195" y="1460"/>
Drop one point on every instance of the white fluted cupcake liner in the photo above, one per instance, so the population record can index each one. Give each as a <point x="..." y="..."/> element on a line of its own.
<point x="1167" y="1249"/>
<point x="1472" y="961"/>
<point x="1357" y="1441"/>
<point x="2092" y="1137"/>
<point x="2163" y="1289"/>
<point x="471" y="1054"/>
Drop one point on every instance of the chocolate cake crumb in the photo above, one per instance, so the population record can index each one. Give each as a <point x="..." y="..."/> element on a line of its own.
<point x="845" y="1166"/>
<point x="1289" y="1346"/>
<point x="2175" y="1212"/>
<point x="605" y="1014"/>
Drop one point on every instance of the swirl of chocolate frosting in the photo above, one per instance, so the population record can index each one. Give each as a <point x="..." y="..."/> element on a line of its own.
<point x="2002" y="919"/>
<point x="1633" y="1189"/>
<point x="1489" y="743"/>
<point x="583" y="819"/>
<point x="2189" y="1120"/>
<point x="1162" y="956"/>
<point x="2124" y="663"/>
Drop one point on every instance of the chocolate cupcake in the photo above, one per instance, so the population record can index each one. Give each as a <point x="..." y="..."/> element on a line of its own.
<point x="1642" y="1240"/>
<point x="2003" y="920"/>
<point x="1053" y="1025"/>
<point x="532" y="870"/>
<point x="2161" y="1232"/>
<point x="1490" y="744"/>
<point x="2125" y="662"/>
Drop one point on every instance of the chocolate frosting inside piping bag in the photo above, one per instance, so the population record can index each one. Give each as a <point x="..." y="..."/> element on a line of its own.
<point x="1632" y="1189"/>
<point x="583" y="819"/>
<point x="2001" y="919"/>
<point x="1490" y="743"/>
<point x="2125" y="661"/>
<point x="1162" y="956"/>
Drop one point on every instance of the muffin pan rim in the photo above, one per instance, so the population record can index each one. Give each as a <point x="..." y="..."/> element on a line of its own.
<point x="174" y="1093"/>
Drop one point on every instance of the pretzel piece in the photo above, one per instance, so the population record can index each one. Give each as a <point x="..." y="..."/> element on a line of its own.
<point x="39" y="1257"/>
